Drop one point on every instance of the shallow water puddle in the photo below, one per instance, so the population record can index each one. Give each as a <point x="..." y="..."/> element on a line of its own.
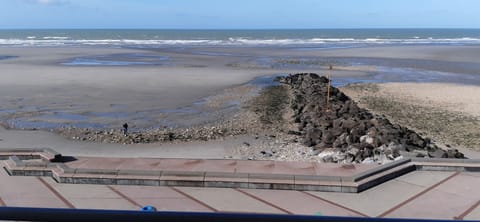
<point x="127" y="59"/>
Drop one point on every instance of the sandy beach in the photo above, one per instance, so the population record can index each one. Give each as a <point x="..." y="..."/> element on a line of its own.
<point x="37" y="83"/>
<point x="451" y="97"/>
<point x="47" y="87"/>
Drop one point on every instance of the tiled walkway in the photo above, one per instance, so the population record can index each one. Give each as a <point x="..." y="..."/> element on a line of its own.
<point x="420" y="194"/>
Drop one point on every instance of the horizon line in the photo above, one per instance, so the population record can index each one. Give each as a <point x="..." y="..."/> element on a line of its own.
<point x="233" y="29"/>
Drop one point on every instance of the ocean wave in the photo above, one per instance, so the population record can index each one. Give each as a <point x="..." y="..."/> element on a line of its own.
<point x="237" y="41"/>
<point x="56" y="37"/>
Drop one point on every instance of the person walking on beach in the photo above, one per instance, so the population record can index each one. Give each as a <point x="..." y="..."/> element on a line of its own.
<point x="125" y="129"/>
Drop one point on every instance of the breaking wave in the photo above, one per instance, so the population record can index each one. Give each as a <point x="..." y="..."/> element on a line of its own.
<point x="316" y="42"/>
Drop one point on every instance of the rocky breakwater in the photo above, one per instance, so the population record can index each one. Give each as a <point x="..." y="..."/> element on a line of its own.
<point x="340" y="131"/>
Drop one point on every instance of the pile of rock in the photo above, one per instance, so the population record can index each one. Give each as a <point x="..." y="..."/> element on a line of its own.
<point x="340" y="131"/>
<point x="194" y="133"/>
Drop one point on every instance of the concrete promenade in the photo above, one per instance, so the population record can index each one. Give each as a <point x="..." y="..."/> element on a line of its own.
<point x="445" y="193"/>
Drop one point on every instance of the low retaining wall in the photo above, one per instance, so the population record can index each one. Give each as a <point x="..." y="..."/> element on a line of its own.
<point x="38" y="162"/>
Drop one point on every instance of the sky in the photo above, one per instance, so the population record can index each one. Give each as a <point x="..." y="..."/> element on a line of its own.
<point x="238" y="14"/>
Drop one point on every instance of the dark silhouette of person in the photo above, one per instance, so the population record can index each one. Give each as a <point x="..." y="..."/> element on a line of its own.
<point x="125" y="129"/>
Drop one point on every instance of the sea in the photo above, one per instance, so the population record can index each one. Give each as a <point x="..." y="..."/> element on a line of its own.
<point x="317" y="38"/>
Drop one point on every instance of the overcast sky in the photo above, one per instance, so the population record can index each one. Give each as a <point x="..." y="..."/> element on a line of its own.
<point x="239" y="14"/>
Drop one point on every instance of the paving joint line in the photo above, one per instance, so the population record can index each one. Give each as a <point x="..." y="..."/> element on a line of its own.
<point x="396" y="207"/>
<point x="467" y="212"/>
<point x="194" y="199"/>
<point x="409" y="183"/>
<point x="264" y="201"/>
<point x="56" y="193"/>
<point x="335" y="204"/>
<point x="122" y="195"/>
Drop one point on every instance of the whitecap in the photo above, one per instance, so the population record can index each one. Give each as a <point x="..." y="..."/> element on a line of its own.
<point x="56" y="37"/>
<point x="233" y="41"/>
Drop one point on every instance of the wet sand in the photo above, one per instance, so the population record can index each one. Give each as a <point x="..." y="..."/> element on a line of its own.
<point x="165" y="85"/>
<point x="38" y="90"/>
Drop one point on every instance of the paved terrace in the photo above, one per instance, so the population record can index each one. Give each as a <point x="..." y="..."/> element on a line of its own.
<point x="439" y="189"/>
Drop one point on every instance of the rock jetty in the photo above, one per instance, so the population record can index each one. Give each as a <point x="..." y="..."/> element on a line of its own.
<point x="340" y="131"/>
